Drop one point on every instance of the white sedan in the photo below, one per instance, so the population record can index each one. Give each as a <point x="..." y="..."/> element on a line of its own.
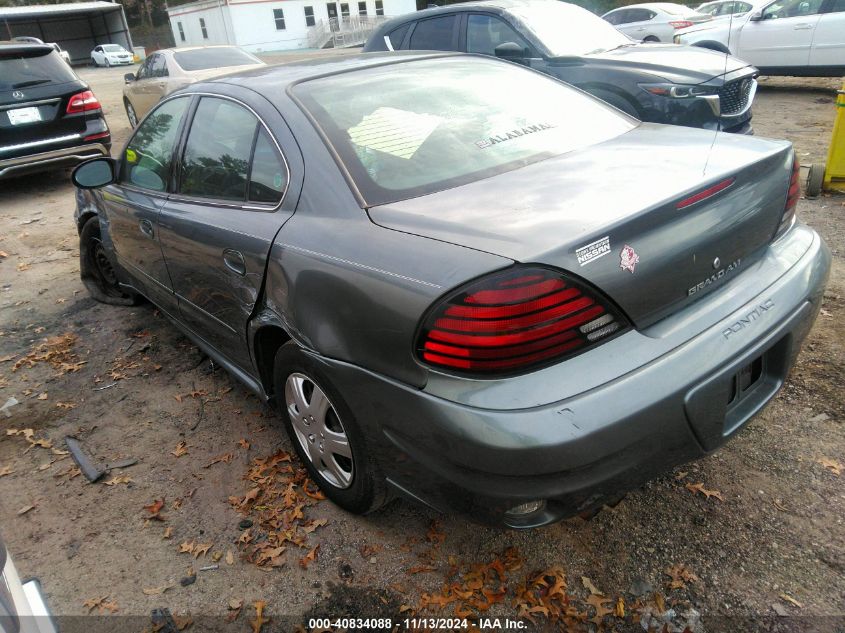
<point x="110" y="55"/>
<point x="654" y="21"/>
<point x="803" y="38"/>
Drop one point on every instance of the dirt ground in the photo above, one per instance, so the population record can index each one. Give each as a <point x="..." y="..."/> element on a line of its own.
<point x="766" y="553"/>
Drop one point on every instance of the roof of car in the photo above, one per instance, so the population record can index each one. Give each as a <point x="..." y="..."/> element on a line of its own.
<point x="282" y="75"/>
<point x="8" y="45"/>
<point x="653" y="5"/>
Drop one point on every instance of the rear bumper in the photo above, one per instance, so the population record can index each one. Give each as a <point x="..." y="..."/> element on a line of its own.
<point x="22" y="606"/>
<point x="481" y="451"/>
<point x="52" y="159"/>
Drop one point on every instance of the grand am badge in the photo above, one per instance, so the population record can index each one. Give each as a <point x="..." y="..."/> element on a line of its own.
<point x="628" y="259"/>
<point x="593" y="250"/>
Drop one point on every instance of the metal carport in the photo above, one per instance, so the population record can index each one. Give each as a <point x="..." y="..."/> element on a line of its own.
<point x="77" y="27"/>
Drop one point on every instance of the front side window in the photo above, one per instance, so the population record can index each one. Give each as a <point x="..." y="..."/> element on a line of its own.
<point x="379" y="7"/>
<point x="279" y="18"/>
<point x="149" y="155"/>
<point x="159" y="66"/>
<point x="791" y="9"/>
<point x="202" y="28"/>
<point x="565" y="29"/>
<point x="405" y="130"/>
<point x="434" y="34"/>
<point x="838" y="6"/>
<point x="309" y="16"/>
<point x="215" y="163"/>
<point x="486" y="32"/>
<point x="181" y="31"/>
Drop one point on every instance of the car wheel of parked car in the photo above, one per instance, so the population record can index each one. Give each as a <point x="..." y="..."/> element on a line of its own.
<point x="131" y="115"/>
<point x="617" y="101"/>
<point x="325" y="434"/>
<point x="651" y="38"/>
<point x="107" y="63"/>
<point x="93" y="63"/>
<point x="815" y="180"/>
<point x="97" y="270"/>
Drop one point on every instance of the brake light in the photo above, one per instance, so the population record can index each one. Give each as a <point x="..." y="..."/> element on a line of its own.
<point x="82" y="102"/>
<point x="515" y="320"/>
<point x="706" y="193"/>
<point x="681" y="24"/>
<point x="792" y="195"/>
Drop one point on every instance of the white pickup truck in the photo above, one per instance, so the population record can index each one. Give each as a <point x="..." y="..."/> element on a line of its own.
<point x="803" y="38"/>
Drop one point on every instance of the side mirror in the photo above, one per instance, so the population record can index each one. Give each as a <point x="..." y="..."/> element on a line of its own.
<point x="94" y="173"/>
<point x="510" y="51"/>
<point x="128" y="78"/>
<point x="756" y="16"/>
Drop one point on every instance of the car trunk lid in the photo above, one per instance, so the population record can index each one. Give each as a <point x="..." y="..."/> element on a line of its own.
<point x="609" y="214"/>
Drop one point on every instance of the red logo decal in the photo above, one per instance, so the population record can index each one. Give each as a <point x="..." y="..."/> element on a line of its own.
<point x="628" y="258"/>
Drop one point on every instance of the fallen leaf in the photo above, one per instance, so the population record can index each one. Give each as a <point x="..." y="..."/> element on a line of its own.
<point x="619" y="610"/>
<point x="259" y="620"/>
<point x="6" y="470"/>
<point x="65" y="405"/>
<point x="787" y="598"/>
<point x="186" y="547"/>
<point x="313" y="525"/>
<point x="420" y="569"/>
<point x="100" y="604"/>
<point x="699" y="487"/>
<point x="589" y="586"/>
<point x="244" y="444"/>
<point x="235" y="608"/>
<point x="121" y="479"/>
<point x="42" y="396"/>
<point x="201" y="549"/>
<point x="831" y="464"/>
<point x="225" y="458"/>
<point x="26" y="509"/>
<point x="680" y="575"/>
<point x="230" y="558"/>
<point x="309" y="558"/>
<point x="154" y="591"/>
<point x="155" y="510"/>
<point x="181" y="449"/>
<point x="168" y="532"/>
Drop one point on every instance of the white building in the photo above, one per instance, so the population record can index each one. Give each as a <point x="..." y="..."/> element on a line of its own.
<point x="274" y="25"/>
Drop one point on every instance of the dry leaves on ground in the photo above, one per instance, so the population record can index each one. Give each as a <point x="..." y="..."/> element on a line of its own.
<point x="680" y="575"/>
<point x="259" y="620"/>
<point x="57" y="351"/>
<point x="699" y="488"/>
<point x="101" y="604"/>
<point x="831" y="464"/>
<point x="155" y="509"/>
<point x="181" y="449"/>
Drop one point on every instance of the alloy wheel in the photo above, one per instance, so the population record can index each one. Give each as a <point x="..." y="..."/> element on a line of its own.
<point x="133" y="118"/>
<point x="319" y="430"/>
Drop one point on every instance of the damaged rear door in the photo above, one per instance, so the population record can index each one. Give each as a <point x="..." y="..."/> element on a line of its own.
<point x="234" y="191"/>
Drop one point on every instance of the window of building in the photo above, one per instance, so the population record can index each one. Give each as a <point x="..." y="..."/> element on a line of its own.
<point x="362" y="8"/>
<point x="434" y="34"/>
<point x="181" y="31"/>
<point x="202" y="27"/>
<point x="309" y="16"/>
<point x="379" y="7"/>
<point x="344" y="11"/>
<point x="279" y="17"/>
<point x="217" y="152"/>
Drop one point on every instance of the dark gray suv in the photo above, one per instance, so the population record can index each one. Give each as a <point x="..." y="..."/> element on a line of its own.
<point x="660" y="83"/>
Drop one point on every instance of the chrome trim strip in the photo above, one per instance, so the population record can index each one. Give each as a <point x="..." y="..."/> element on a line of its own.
<point x="46" y="141"/>
<point x="29" y="104"/>
<point x="78" y="153"/>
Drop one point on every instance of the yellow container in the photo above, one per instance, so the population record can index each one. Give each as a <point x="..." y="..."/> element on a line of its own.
<point x="834" y="173"/>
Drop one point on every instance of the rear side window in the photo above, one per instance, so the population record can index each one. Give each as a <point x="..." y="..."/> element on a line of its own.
<point x="434" y="34"/>
<point x="397" y="36"/>
<point x="216" y="159"/>
<point x="149" y="155"/>
<point x="615" y="18"/>
<point x="639" y="15"/>
<point x="24" y="69"/>
<point x="268" y="177"/>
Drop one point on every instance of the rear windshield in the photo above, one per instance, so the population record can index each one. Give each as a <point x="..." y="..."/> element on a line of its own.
<point x="205" y="58"/>
<point x="22" y="70"/>
<point x="409" y="129"/>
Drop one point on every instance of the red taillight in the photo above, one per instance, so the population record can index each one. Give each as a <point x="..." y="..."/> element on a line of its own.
<point x="516" y="320"/>
<point x="792" y="195"/>
<point x="82" y="102"/>
<point x="706" y="193"/>
<point x="681" y="24"/>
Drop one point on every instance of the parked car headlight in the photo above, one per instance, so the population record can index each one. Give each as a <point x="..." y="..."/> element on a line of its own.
<point x="678" y="91"/>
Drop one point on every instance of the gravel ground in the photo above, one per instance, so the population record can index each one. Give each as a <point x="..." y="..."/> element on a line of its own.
<point x="768" y="555"/>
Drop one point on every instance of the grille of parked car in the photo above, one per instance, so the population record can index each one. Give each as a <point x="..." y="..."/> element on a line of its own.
<point x="734" y="95"/>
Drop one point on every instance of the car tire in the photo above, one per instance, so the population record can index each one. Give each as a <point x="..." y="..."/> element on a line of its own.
<point x="97" y="270"/>
<point x="131" y="114"/>
<point x="93" y="63"/>
<point x="651" y="38"/>
<point x="107" y="63"/>
<point x="616" y="100"/>
<point x="815" y="181"/>
<point x="353" y="482"/>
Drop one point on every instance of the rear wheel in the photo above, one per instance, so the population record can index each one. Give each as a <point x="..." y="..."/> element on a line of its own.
<point x="325" y="433"/>
<point x="815" y="181"/>
<point x="97" y="270"/>
<point x="131" y="115"/>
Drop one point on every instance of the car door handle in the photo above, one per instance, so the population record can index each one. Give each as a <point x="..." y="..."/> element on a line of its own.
<point x="803" y="27"/>
<point x="146" y="228"/>
<point x="234" y="261"/>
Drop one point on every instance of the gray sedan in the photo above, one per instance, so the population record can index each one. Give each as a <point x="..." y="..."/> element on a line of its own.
<point x="462" y="281"/>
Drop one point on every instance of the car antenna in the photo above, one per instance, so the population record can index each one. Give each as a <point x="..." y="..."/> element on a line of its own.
<point x="724" y="73"/>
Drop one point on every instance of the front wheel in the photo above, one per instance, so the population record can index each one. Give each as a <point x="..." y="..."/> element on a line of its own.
<point x="97" y="270"/>
<point x="107" y="64"/>
<point x="131" y="115"/>
<point x="325" y="433"/>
